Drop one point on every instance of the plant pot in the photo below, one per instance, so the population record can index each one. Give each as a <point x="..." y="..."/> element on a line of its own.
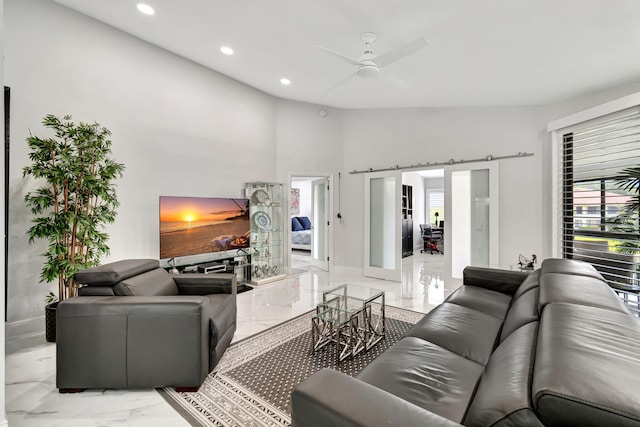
<point x="50" y="321"/>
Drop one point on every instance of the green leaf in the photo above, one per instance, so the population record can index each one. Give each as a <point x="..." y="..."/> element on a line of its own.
<point x="76" y="159"/>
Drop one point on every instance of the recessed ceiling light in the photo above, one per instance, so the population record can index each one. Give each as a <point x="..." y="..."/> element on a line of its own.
<point x="226" y="50"/>
<point x="145" y="8"/>
<point x="285" y="81"/>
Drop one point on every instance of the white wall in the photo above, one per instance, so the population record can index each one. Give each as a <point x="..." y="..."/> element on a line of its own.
<point x="309" y="144"/>
<point x="179" y="128"/>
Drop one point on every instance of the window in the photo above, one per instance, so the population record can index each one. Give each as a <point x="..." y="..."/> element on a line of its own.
<point x="435" y="200"/>
<point x="592" y="210"/>
<point x="600" y="211"/>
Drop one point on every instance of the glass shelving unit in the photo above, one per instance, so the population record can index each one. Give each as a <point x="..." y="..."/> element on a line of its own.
<point x="266" y="212"/>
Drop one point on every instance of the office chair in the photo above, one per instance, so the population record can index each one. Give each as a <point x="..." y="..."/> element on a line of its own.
<point x="431" y="238"/>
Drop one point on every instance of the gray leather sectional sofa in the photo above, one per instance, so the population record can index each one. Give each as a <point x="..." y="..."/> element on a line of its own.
<point x="554" y="348"/>
<point x="136" y="326"/>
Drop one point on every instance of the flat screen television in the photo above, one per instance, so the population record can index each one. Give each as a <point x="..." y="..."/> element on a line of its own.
<point x="199" y="225"/>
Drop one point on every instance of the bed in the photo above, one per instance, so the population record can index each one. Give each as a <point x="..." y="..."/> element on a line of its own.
<point x="301" y="233"/>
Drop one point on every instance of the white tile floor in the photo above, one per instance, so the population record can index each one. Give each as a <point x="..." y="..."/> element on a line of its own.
<point x="33" y="400"/>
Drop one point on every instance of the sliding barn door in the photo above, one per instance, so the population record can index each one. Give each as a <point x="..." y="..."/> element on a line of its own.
<point x="382" y="225"/>
<point x="471" y="225"/>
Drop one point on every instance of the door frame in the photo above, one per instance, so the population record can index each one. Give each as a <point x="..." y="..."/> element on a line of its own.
<point x="320" y="264"/>
<point x="311" y="176"/>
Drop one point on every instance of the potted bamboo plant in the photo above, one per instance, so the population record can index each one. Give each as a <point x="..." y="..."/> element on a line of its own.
<point x="75" y="200"/>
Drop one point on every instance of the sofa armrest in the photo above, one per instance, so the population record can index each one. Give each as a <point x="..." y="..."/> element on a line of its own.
<point x="132" y="342"/>
<point x="505" y="281"/>
<point x="331" y="398"/>
<point x="206" y="284"/>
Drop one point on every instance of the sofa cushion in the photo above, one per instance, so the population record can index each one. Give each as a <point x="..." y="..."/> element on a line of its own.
<point x="426" y="375"/>
<point x="505" y="281"/>
<point x="461" y="330"/>
<point x="152" y="283"/>
<point x="484" y="300"/>
<point x="586" y="367"/>
<point x="503" y="393"/>
<point x="582" y="290"/>
<point x="532" y="281"/>
<point x="295" y="224"/>
<point x="523" y="310"/>
<point x="305" y="222"/>
<point x="223" y="314"/>
<point x="114" y="272"/>
<point x="569" y="266"/>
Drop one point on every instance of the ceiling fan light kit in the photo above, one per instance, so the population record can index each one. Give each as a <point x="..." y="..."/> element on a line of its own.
<point x="367" y="71"/>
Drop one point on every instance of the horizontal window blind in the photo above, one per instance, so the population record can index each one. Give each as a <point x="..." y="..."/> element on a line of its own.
<point x="436" y="205"/>
<point x="600" y="177"/>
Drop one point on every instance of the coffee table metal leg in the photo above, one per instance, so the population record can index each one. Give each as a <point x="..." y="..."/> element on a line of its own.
<point x="322" y="333"/>
<point x="375" y="324"/>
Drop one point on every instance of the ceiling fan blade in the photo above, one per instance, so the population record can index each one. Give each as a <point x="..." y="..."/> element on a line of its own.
<point x="399" y="53"/>
<point x="341" y="82"/>
<point x="395" y="80"/>
<point x="339" y="55"/>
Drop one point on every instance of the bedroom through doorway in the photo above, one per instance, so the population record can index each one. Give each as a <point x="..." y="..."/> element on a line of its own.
<point x="310" y="212"/>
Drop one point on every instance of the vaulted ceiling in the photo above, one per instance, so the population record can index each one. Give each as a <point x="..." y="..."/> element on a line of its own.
<point x="481" y="52"/>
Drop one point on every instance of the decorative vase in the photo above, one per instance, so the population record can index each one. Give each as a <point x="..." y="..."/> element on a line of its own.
<point x="50" y="321"/>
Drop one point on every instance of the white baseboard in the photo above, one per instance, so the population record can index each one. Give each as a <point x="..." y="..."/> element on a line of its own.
<point x="34" y="325"/>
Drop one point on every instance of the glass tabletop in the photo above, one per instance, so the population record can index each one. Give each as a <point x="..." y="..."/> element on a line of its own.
<point x="341" y="303"/>
<point x="334" y="315"/>
<point x="354" y="292"/>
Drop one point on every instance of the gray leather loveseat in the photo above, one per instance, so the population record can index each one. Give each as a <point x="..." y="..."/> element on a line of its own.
<point x="554" y="348"/>
<point x="136" y="326"/>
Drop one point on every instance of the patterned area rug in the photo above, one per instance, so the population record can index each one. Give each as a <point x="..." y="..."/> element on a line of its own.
<point x="252" y="384"/>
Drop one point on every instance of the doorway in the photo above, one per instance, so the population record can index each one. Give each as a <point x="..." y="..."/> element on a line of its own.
<point x="310" y="225"/>
<point x="466" y="198"/>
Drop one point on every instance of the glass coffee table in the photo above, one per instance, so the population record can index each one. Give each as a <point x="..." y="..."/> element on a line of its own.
<point x="352" y="317"/>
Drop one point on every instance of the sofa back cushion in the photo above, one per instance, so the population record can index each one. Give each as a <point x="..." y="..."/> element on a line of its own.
<point x="152" y="283"/>
<point x="577" y="289"/>
<point x="461" y="330"/>
<point x="114" y="272"/>
<point x="586" y="367"/>
<point x="532" y="281"/>
<point x="502" y="397"/>
<point x="523" y="310"/>
<point x="569" y="266"/>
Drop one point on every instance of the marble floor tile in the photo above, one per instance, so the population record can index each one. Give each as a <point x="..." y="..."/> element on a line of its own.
<point x="33" y="400"/>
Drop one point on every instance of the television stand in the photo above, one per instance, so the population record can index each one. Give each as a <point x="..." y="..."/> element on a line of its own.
<point x="212" y="267"/>
<point x="239" y="265"/>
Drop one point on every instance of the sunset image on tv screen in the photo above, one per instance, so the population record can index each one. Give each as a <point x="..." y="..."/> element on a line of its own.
<point x="197" y="225"/>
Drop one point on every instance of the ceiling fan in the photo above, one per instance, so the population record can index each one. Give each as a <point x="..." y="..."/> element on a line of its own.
<point x="368" y="64"/>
